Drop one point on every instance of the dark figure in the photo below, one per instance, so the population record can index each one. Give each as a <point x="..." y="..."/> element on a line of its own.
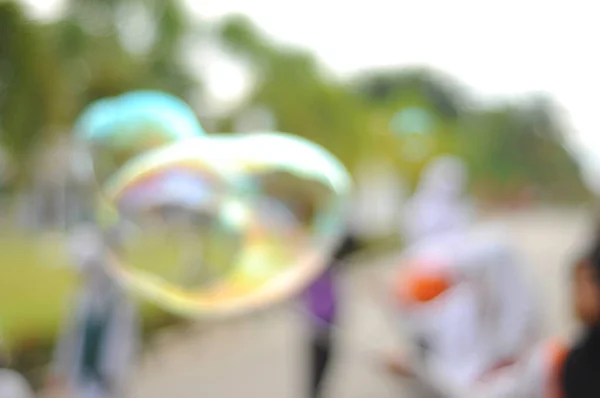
<point x="581" y="374"/>
<point x="321" y="299"/>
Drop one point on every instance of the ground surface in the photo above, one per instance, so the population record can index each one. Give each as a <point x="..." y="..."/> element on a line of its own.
<point x="262" y="357"/>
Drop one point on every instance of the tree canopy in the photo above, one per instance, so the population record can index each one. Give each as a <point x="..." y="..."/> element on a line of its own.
<point x="50" y="71"/>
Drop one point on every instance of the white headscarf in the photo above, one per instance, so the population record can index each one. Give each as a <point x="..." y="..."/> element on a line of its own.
<point x="489" y="316"/>
<point x="438" y="205"/>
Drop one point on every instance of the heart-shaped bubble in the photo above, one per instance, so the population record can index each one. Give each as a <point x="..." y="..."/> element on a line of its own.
<point x="226" y="224"/>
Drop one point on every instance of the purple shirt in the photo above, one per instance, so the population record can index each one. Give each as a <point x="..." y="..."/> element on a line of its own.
<point x="321" y="300"/>
<point x="320" y="297"/>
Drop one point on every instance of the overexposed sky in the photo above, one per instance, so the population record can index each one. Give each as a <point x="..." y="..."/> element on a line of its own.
<point x="499" y="48"/>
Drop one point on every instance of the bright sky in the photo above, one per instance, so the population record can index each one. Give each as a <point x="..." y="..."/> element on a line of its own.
<point x="499" y="48"/>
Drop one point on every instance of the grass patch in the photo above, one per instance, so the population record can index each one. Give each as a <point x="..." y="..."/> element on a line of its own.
<point x="35" y="283"/>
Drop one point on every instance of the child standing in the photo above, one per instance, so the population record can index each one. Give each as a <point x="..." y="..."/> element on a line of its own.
<point x="97" y="348"/>
<point x="321" y="300"/>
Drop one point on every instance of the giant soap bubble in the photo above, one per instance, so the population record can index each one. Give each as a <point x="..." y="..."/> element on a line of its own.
<point x="117" y="129"/>
<point x="222" y="225"/>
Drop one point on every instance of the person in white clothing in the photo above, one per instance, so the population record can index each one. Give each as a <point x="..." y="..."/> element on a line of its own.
<point x="439" y="204"/>
<point x="462" y="293"/>
<point x="97" y="348"/>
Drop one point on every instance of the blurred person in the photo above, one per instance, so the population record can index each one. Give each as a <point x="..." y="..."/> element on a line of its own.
<point x="461" y="290"/>
<point x="580" y="376"/>
<point x="12" y="383"/>
<point x="472" y="319"/>
<point x="321" y="300"/>
<point x="439" y="204"/>
<point x="96" y="350"/>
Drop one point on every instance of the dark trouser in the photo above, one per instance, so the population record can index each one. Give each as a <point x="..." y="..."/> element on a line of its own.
<point x="321" y="347"/>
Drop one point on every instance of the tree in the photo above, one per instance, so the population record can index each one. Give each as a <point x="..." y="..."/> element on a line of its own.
<point x="104" y="51"/>
<point x="388" y="93"/>
<point x="50" y="72"/>
<point x="35" y="102"/>
<point x="290" y="83"/>
<point x="507" y="155"/>
<point x="436" y="90"/>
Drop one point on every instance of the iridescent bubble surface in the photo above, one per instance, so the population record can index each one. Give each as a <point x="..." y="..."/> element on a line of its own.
<point x="227" y="224"/>
<point x="118" y="129"/>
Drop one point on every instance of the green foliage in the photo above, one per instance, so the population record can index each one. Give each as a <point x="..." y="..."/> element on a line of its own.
<point x="509" y="147"/>
<point x="303" y="100"/>
<point x="30" y="79"/>
<point x="430" y="88"/>
<point x="49" y="72"/>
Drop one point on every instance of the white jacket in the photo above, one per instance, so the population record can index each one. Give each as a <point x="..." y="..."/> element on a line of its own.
<point x="486" y="317"/>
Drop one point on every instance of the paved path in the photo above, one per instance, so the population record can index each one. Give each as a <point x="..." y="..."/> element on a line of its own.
<point x="262" y="357"/>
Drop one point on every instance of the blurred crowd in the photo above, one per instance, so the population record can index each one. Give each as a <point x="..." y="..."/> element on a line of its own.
<point x="473" y="317"/>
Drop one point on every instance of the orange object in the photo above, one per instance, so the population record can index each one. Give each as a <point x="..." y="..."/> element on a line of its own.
<point x="557" y="354"/>
<point x="418" y="285"/>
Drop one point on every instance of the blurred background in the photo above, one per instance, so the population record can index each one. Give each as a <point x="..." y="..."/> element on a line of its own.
<point x="385" y="86"/>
